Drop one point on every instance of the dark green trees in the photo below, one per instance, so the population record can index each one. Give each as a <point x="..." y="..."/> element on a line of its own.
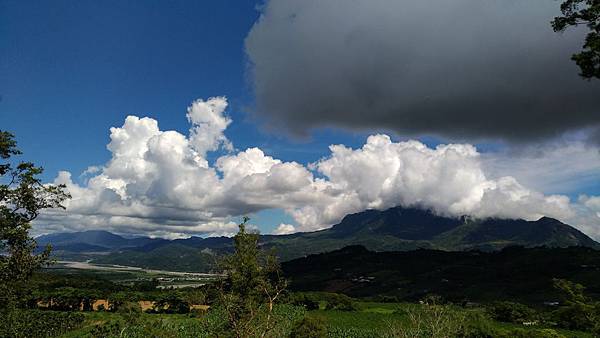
<point x="22" y="197"/>
<point x="252" y="287"/>
<point x="577" y="13"/>
<point x="578" y="312"/>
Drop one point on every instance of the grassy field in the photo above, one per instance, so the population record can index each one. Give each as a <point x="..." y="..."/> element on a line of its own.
<point x="392" y="320"/>
<point x="370" y="319"/>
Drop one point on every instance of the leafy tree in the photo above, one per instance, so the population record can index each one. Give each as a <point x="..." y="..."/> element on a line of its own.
<point x="587" y="13"/>
<point x="252" y="286"/>
<point x="146" y="285"/>
<point x="578" y="311"/>
<point x="511" y="312"/>
<point x="22" y="197"/>
<point x="195" y="297"/>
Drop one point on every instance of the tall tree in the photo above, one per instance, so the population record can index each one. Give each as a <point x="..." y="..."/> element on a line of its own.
<point x="252" y="286"/>
<point x="586" y="13"/>
<point x="22" y="197"/>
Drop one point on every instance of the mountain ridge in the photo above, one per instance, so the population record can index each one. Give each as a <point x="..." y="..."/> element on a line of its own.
<point x="393" y="229"/>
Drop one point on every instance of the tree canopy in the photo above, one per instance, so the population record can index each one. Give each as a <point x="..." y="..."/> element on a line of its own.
<point x="22" y="197"/>
<point x="252" y="286"/>
<point x="586" y="13"/>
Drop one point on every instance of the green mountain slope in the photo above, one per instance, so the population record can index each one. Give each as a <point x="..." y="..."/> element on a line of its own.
<point x="514" y="273"/>
<point x="395" y="229"/>
<point x="173" y="257"/>
<point x="403" y="229"/>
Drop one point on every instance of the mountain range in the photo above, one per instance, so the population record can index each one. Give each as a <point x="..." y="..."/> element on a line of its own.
<point x="394" y="229"/>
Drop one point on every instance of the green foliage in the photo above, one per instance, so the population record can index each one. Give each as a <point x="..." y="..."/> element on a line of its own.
<point x="340" y="302"/>
<point x="22" y="197"/>
<point x="571" y="293"/>
<point x="578" y="311"/>
<point x="172" y="303"/>
<point x="212" y="324"/>
<point x="251" y="288"/>
<point x="138" y="327"/>
<point x="196" y="296"/>
<point x="587" y="13"/>
<point x="524" y="275"/>
<point x="522" y="333"/>
<point x="511" y="312"/>
<point x="128" y="307"/>
<point x="146" y="285"/>
<point x="309" y="327"/>
<point x="582" y="317"/>
<point x="172" y="257"/>
<point x="477" y="325"/>
<point x="306" y="300"/>
<point x="19" y="323"/>
<point x="431" y="320"/>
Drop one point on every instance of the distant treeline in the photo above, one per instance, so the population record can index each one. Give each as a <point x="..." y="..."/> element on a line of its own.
<point x="515" y="273"/>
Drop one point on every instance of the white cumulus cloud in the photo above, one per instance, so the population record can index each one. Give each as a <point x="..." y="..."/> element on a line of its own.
<point x="284" y="229"/>
<point x="160" y="183"/>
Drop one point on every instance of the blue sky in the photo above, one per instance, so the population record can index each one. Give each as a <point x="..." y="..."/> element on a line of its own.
<point x="69" y="71"/>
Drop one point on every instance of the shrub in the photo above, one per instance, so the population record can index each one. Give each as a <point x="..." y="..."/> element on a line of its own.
<point x="511" y="312"/>
<point x="477" y="325"/>
<point x="305" y="300"/>
<point x="19" y="323"/>
<point x="340" y="303"/>
<point x="309" y="327"/>
<point x="576" y="317"/>
<point x="521" y="333"/>
<point x="431" y="320"/>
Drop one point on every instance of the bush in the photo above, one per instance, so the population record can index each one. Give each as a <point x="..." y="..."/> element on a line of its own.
<point x="576" y="317"/>
<point x="521" y="333"/>
<point x="309" y="327"/>
<point x="171" y="303"/>
<point x="431" y="320"/>
<point x="340" y="303"/>
<point x="511" y="312"/>
<point x="284" y="317"/>
<point x="19" y="323"/>
<point x="477" y="325"/>
<point x="302" y="299"/>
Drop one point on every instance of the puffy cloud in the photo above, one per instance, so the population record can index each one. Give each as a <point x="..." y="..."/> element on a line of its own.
<point x="592" y="203"/>
<point x="448" y="179"/>
<point x="208" y="125"/>
<point x="459" y="69"/>
<point x="284" y="229"/>
<point x="160" y="183"/>
<point x="564" y="167"/>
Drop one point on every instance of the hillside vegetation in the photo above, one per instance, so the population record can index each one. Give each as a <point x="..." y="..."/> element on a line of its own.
<point x="395" y="229"/>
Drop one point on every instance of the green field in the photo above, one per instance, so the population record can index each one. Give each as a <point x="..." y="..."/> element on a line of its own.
<point x="369" y="320"/>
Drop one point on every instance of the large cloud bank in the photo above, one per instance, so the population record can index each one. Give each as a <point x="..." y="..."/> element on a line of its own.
<point x="461" y="69"/>
<point x="160" y="182"/>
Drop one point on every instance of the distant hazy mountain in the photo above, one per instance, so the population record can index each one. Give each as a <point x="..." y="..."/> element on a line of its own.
<point x="395" y="229"/>
<point x="92" y="240"/>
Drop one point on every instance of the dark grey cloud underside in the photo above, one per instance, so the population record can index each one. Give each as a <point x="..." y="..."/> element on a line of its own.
<point x="460" y="68"/>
